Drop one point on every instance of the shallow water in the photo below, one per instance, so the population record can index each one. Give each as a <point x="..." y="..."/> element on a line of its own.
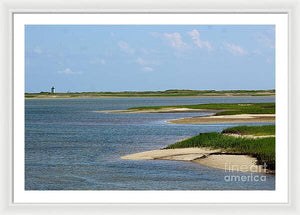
<point x="69" y="146"/>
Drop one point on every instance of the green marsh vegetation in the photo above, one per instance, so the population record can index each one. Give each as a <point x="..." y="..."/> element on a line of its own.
<point x="261" y="148"/>
<point x="224" y="108"/>
<point x="251" y="130"/>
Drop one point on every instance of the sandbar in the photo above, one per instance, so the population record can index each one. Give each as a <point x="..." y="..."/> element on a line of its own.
<point x="241" y="118"/>
<point x="162" y="110"/>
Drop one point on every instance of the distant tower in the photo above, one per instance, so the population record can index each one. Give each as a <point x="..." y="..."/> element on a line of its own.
<point x="52" y="90"/>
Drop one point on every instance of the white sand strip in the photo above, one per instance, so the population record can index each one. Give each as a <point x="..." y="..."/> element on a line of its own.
<point x="201" y="156"/>
<point x="187" y="154"/>
<point x="162" y="110"/>
<point x="226" y="119"/>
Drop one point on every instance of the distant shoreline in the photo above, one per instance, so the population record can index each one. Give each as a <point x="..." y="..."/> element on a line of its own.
<point x="102" y="97"/>
<point x="146" y="94"/>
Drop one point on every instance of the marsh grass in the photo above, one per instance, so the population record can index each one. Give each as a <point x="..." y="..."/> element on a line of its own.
<point x="224" y="108"/>
<point x="251" y="130"/>
<point x="262" y="148"/>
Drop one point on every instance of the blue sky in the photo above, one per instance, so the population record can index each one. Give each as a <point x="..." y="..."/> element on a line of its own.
<point x="78" y="58"/>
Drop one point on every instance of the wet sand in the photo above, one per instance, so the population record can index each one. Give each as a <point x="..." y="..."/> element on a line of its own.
<point x="242" y="118"/>
<point x="203" y="156"/>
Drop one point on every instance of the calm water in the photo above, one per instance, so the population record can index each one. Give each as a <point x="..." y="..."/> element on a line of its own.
<point x="69" y="146"/>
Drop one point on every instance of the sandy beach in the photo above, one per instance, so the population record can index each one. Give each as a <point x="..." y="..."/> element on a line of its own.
<point x="203" y="156"/>
<point x="226" y="119"/>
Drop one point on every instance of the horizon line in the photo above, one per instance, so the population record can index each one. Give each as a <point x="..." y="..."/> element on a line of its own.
<point x="127" y="91"/>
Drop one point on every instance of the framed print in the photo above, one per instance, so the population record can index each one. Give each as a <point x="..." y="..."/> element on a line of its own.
<point x="104" y="93"/>
<point x="117" y="107"/>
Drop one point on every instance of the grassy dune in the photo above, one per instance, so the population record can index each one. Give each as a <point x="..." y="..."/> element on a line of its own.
<point x="263" y="148"/>
<point x="251" y="130"/>
<point x="225" y="109"/>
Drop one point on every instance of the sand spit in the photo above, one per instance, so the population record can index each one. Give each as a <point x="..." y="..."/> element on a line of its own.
<point x="240" y="118"/>
<point x="163" y="110"/>
<point x="187" y="154"/>
<point x="226" y="119"/>
<point x="203" y="156"/>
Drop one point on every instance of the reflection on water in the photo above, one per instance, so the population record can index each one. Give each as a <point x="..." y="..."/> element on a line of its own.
<point x="69" y="146"/>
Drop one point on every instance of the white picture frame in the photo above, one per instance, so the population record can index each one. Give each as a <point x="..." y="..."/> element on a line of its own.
<point x="8" y="207"/>
<point x="279" y="195"/>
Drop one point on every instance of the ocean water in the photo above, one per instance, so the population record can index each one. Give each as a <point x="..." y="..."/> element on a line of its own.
<point x="69" y="146"/>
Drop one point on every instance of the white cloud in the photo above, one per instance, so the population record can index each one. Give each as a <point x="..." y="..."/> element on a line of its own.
<point x="265" y="40"/>
<point x="102" y="61"/>
<point x="98" y="61"/>
<point x="147" y="69"/>
<point x="37" y="50"/>
<point x="257" y="52"/>
<point x="196" y="38"/>
<point x="142" y="61"/>
<point x="235" y="49"/>
<point x="175" y="41"/>
<point x="125" y="47"/>
<point x="68" y="71"/>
